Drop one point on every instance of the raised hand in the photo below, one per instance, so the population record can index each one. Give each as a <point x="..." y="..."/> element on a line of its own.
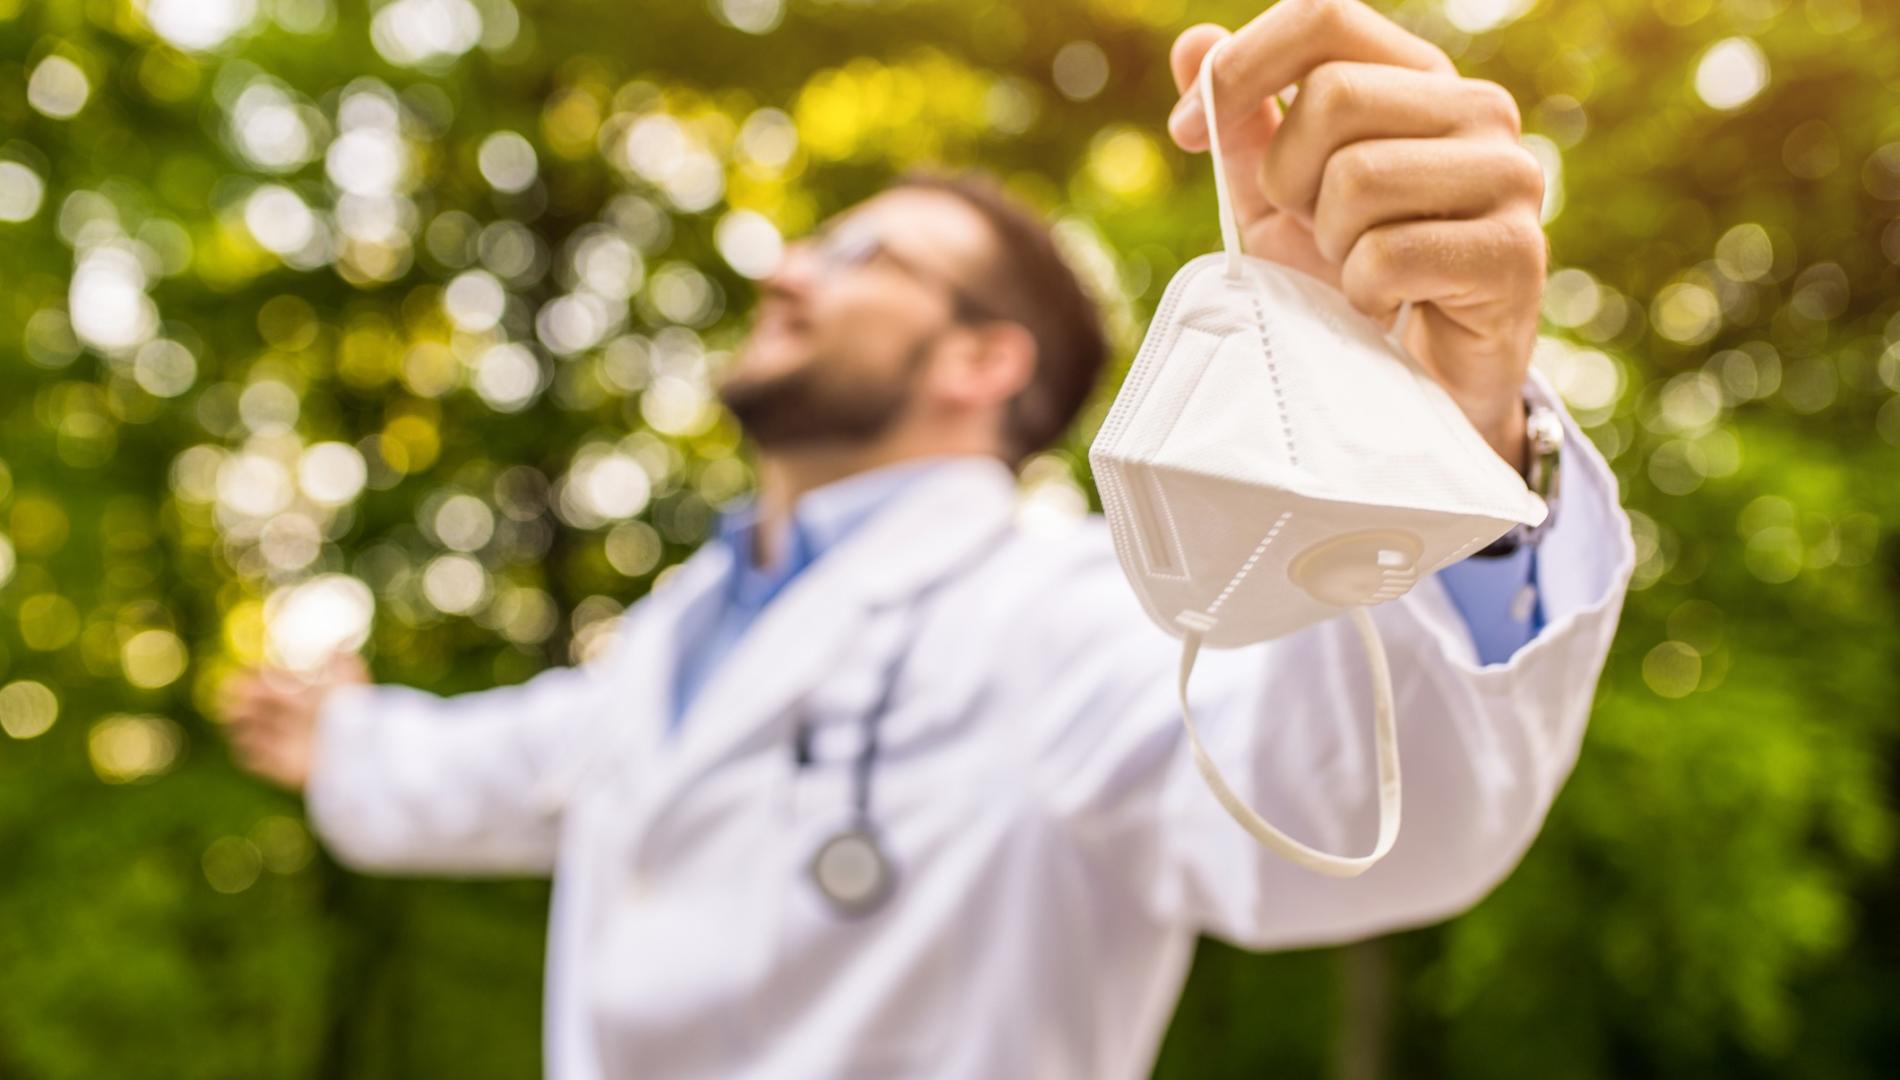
<point x="1391" y="177"/>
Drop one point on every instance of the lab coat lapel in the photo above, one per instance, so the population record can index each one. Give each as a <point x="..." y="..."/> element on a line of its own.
<point x="653" y="655"/>
<point x="943" y="520"/>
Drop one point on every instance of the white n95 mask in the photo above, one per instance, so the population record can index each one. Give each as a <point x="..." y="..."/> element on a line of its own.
<point x="1274" y="460"/>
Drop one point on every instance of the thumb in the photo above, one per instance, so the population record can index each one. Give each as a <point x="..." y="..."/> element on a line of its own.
<point x="345" y="667"/>
<point x="1245" y="126"/>
<point x="1187" y="125"/>
<point x="1184" y="57"/>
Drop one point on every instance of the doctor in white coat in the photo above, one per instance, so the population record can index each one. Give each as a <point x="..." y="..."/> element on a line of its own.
<point x="876" y="648"/>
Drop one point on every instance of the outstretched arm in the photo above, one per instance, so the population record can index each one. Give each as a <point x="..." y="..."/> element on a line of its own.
<point x="399" y="780"/>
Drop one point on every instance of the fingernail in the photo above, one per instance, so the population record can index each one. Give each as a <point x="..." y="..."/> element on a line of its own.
<point x="1186" y="123"/>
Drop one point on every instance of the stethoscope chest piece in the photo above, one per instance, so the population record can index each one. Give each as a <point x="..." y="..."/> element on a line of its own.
<point x="852" y="872"/>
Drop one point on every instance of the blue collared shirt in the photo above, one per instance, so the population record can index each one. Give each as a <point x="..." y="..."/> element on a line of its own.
<point x="825" y="516"/>
<point x="1495" y="596"/>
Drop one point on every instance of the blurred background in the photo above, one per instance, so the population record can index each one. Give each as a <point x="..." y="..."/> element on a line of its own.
<point x="324" y="321"/>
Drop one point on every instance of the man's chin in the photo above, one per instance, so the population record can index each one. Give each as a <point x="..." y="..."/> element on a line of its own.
<point x="757" y="364"/>
<point x="801" y="406"/>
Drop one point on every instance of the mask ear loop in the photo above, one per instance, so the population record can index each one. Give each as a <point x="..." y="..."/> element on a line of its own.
<point x="1231" y="241"/>
<point x="1194" y="625"/>
<point x="1229" y="225"/>
<point x="1385" y="739"/>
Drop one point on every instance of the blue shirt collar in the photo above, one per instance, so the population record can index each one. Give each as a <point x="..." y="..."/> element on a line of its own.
<point x="821" y="519"/>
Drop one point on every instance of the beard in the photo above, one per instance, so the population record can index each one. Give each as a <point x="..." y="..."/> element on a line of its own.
<point x="819" y="404"/>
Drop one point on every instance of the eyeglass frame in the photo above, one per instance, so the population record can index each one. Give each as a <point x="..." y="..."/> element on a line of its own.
<point x="865" y="245"/>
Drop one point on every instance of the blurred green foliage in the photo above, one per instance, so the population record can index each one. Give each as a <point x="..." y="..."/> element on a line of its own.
<point x="323" y="320"/>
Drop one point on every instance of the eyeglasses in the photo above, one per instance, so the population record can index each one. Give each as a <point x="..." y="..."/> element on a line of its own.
<point x="850" y="245"/>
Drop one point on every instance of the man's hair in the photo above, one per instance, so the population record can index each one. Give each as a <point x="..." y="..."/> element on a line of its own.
<point x="1032" y="284"/>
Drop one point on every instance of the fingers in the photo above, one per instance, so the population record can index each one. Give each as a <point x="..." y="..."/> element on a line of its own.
<point x="345" y="667"/>
<point x="273" y="746"/>
<point x="1288" y="40"/>
<point x="1345" y="103"/>
<point x="1478" y="268"/>
<point x="245" y="697"/>
<point x="1243" y="140"/>
<point x="282" y="762"/>
<point x="1383" y="181"/>
<point x="1288" y="241"/>
<point x="270" y="717"/>
<point x="1185" y="57"/>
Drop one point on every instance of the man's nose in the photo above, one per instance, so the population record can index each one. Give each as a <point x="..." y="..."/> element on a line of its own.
<point x="795" y="274"/>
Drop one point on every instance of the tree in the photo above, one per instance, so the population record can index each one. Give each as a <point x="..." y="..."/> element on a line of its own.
<point x="323" y="322"/>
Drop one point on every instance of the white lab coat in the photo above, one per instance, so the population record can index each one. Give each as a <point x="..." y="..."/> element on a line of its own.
<point x="1057" y="852"/>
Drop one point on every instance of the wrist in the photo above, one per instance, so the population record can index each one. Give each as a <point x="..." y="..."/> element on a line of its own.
<point x="1540" y="443"/>
<point x="1508" y="436"/>
<point x="1498" y="411"/>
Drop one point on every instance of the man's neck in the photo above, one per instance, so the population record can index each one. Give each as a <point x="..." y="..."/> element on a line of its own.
<point x="787" y="476"/>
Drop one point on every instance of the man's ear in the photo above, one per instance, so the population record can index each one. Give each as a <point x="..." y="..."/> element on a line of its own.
<point x="994" y="364"/>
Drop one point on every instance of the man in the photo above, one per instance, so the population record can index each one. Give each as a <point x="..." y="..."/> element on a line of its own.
<point x="874" y="654"/>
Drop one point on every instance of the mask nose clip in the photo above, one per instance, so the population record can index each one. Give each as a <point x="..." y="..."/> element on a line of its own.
<point x="1360" y="568"/>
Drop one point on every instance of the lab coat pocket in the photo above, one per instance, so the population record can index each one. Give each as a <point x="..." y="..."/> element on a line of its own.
<point x="684" y="934"/>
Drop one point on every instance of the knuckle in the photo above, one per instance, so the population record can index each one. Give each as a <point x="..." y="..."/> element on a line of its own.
<point x="1330" y="235"/>
<point x="1326" y="13"/>
<point x="1440" y="61"/>
<point x="1523" y="241"/>
<point x="1350" y="175"/>
<point x="1329" y="91"/>
<point x="1276" y="181"/>
<point x="1494" y="107"/>
<point x="1378" y="256"/>
<point x="1524" y="173"/>
<point x="1223" y="75"/>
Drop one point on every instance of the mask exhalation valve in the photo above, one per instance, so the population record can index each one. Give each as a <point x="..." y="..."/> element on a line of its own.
<point x="1359" y="569"/>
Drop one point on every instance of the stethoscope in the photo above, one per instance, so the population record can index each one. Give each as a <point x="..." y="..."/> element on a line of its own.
<point x="851" y="869"/>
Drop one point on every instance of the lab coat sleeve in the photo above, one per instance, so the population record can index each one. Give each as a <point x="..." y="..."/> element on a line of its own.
<point x="409" y="782"/>
<point x="1483" y="749"/>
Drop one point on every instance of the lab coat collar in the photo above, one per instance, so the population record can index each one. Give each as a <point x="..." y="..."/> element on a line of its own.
<point x="948" y="516"/>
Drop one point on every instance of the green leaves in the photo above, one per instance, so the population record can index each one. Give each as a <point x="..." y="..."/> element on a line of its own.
<point x="298" y="292"/>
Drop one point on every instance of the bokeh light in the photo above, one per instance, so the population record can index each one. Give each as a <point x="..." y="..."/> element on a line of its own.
<point x="507" y="377"/>
<point x="508" y="162"/>
<point x="751" y="16"/>
<point x="21" y="192"/>
<point x="110" y="310"/>
<point x="232" y="864"/>
<point x="199" y="24"/>
<point x="307" y="622"/>
<point x="1478" y="16"/>
<point x="331" y="473"/>
<point x="475" y="301"/>
<point x="1080" y="70"/>
<point x="455" y="584"/>
<point x="1731" y="73"/>
<point x="153" y="659"/>
<point x="58" y="88"/>
<point x="280" y="219"/>
<point x="419" y="33"/>
<point x="749" y="243"/>
<point x="128" y="749"/>
<point x="27" y="709"/>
